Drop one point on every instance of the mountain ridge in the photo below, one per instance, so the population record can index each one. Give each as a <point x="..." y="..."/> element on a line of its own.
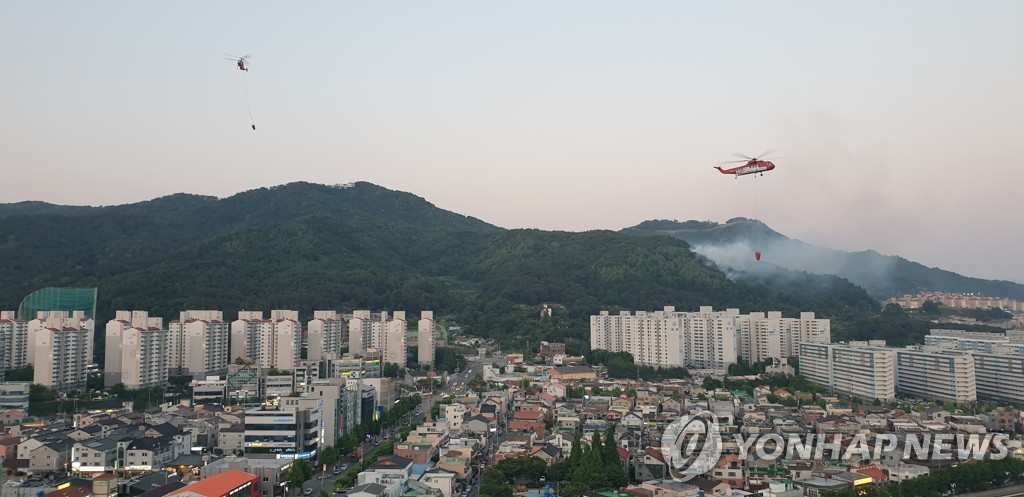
<point x="731" y="244"/>
<point x="306" y="246"/>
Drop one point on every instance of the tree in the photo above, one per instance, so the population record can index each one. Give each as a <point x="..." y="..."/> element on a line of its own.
<point x="330" y="455"/>
<point x="711" y="383"/>
<point x="301" y="472"/>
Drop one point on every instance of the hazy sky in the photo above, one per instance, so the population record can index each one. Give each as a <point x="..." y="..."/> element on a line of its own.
<point x="900" y="124"/>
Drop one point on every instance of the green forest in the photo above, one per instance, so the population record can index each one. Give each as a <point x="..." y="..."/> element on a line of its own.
<point x="308" y="247"/>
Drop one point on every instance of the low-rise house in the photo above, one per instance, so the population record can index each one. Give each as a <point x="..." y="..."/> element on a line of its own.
<point x="388" y="471"/>
<point x="547" y="453"/>
<point x="12" y="417"/>
<point x="633" y="419"/>
<point x="149" y="453"/>
<point x="651" y="465"/>
<point x="711" y="488"/>
<point x="662" y="488"/>
<point x="671" y="405"/>
<point x="730" y="469"/>
<point x="94" y="456"/>
<point x="51" y="456"/>
<point x="231" y="439"/>
<point x="479" y="425"/>
<point x="440" y="479"/>
<point x="368" y="490"/>
<point x="456" y="461"/>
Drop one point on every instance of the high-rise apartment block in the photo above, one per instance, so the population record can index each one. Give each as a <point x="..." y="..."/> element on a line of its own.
<point x="271" y="343"/>
<point x="136" y="348"/>
<point x="61" y="344"/>
<point x="860" y="369"/>
<point x="381" y="333"/>
<point x="935" y="373"/>
<point x="13" y="341"/>
<point x="198" y="344"/>
<point x="706" y="339"/>
<point x="425" y="347"/>
<point x="325" y="335"/>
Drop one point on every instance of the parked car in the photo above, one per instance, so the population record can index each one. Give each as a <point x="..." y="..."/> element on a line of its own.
<point x="308" y="491"/>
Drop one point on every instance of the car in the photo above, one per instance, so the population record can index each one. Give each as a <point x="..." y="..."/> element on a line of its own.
<point x="308" y="491"/>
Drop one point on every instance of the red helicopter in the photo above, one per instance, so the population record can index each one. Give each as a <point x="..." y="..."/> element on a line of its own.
<point x="754" y="165"/>
<point x="240" y="61"/>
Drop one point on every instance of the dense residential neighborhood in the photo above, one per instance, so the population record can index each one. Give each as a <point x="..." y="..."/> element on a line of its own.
<point x="295" y="410"/>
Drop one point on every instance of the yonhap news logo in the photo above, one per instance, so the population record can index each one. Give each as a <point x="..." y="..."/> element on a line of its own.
<point x="691" y="445"/>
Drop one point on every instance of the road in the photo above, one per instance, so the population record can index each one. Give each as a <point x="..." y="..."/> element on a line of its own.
<point x="459" y="384"/>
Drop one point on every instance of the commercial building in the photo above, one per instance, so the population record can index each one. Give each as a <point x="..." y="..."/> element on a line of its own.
<point x="272" y="473"/>
<point x="861" y="369"/>
<point x="231" y="483"/>
<point x="290" y="430"/>
<point x="198" y="344"/>
<point x="136" y="351"/>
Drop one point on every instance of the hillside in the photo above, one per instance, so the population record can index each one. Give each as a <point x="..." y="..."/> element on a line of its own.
<point x="304" y="246"/>
<point x="731" y="245"/>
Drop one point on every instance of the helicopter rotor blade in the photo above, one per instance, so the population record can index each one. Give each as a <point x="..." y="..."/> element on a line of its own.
<point x="766" y="152"/>
<point x="734" y="161"/>
<point x="743" y="156"/>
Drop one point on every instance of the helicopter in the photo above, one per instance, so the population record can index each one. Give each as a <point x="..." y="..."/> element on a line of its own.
<point x="753" y="165"/>
<point x="240" y="61"/>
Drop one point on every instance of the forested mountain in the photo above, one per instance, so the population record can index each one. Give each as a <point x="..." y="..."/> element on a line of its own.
<point x="306" y="246"/>
<point x="732" y="245"/>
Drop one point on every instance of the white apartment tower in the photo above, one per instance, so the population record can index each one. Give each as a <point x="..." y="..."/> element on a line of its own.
<point x="392" y="340"/>
<point x="58" y="320"/>
<point x="62" y="344"/>
<point x="325" y="332"/>
<point x="861" y="369"/>
<point x="381" y="332"/>
<point x="271" y="343"/>
<point x="198" y="344"/>
<point x="136" y="351"/>
<point x="706" y="339"/>
<point x="13" y="340"/>
<point x="360" y="332"/>
<point x="934" y="373"/>
<point x="425" y="339"/>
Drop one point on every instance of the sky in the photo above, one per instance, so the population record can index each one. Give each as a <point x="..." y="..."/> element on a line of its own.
<point x="898" y="125"/>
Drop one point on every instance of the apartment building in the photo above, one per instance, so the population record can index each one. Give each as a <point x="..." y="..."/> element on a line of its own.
<point x="198" y="344"/>
<point x="136" y="351"/>
<point x="325" y="334"/>
<point x="271" y="343"/>
<point x="57" y="320"/>
<point x="62" y="348"/>
<point x="999" y="376"/>
<point x="936" y="374"/>
<point x="861" y="369"/>
<point x="13" y="341"/>
<point x="706" y="339"/>
<point x="381" y="333"/>
<point x="425" y="346"/>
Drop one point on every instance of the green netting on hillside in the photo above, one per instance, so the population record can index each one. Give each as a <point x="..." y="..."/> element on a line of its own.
<point x="58" y="299"/>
